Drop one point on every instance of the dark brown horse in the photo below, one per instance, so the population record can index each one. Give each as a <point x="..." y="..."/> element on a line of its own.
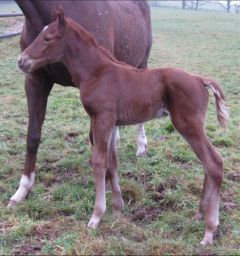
<point x="122" y="27"/>
<point x="114" y="93"/>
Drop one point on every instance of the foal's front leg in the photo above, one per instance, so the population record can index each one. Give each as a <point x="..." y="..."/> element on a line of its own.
<point x="102" y="127"/>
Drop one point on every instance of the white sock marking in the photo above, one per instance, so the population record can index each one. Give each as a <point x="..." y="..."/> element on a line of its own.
<point x="25" y="186"/>
<point x="141" y="140"/>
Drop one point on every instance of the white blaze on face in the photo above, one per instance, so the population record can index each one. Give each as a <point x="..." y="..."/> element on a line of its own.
<point x="44" y="28"/>
<point x="25" y="186"/>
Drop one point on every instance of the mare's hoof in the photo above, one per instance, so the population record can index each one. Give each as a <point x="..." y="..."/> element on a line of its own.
<point x="11" y="204"/>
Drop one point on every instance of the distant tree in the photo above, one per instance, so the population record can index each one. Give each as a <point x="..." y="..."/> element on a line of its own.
<point x="184" y="2"/>
<point x="196" y="6"/>
<point x="237" y="7"/>
<point x="191" y="4"/>
<point x="228" y="5"/>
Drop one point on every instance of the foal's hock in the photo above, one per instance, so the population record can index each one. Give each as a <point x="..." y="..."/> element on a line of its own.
<point x="114" y="93"/>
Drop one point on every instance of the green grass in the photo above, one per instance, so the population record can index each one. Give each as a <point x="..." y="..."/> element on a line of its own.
<point x="53" y="219"/>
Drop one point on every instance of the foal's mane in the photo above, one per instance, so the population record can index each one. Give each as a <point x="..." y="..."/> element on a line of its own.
<point x="91" y="41"/>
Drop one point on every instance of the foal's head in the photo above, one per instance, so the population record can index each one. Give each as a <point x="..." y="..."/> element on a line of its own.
<point x="48" y="47"/>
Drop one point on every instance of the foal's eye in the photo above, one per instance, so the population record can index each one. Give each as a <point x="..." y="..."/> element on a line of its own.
<point x="46" y="39"/>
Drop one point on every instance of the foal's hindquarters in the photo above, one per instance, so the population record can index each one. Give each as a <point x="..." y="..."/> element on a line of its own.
<point x="187" y="111"/>
<point x="185" y="97"/>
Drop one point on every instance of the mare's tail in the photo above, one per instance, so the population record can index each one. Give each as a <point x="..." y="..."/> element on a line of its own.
<point x="222" y="109"/>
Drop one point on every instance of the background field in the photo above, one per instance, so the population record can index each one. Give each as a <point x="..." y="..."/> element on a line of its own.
<point x="161" y="191"/>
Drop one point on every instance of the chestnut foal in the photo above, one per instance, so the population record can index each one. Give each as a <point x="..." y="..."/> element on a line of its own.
<point x="114" y="94"/>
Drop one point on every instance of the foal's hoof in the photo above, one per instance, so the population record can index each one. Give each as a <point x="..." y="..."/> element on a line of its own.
<point x="117" y="214"/>
<point x="141" y="152"/>
<point x="198" y="216"/>
<point x="206" y="242"/>
<point x="11" y="204"/>
<point x="93" y="223"/>
<point x="208" y="239"/>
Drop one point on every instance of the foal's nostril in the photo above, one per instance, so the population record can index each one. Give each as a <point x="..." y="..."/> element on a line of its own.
<point x="19" y="61"/>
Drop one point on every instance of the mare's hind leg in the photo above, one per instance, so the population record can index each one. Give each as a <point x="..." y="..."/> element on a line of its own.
<point x="37" y="90"/>
<point x="193" y="131"/>
<point x="141" y="140"/>
<point x="117" y="201"/>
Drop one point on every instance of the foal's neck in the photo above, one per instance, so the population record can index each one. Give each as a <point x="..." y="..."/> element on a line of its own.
<point x="82" y="55"/>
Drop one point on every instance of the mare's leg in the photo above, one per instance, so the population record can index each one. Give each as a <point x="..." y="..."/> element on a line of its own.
<point x="91" y="134"/>
<point x="141" y="140"/>
<point x="117" y="201"/>
<point x="192" y="129"/>
<point x="102" y="127"/>
<point x="37" y="91"/>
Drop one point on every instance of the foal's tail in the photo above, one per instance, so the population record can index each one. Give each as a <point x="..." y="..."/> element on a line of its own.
<point x="222" y="109"/>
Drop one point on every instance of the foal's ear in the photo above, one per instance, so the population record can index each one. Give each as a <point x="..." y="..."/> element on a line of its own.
<point x="58" y="14"/>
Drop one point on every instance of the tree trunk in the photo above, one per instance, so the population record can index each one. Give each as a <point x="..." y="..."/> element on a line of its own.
<point x="228" y="5"/>
<point x="183" y="4"/>
<point x="196" y="7"/>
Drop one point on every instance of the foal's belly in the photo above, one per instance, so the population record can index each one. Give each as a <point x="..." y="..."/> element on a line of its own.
<point x="133" y="115"/>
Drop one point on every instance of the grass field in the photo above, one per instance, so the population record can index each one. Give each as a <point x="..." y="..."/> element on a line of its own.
<point x="161" y="191"/>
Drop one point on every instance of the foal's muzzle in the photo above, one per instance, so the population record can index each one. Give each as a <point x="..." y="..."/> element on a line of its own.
<point x="24" y="63"/>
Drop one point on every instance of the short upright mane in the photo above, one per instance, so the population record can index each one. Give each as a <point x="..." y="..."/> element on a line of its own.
<point x="90" y="40"/>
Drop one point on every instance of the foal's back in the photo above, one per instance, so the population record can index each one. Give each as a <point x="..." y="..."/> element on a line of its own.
<point x="139" y="95"/>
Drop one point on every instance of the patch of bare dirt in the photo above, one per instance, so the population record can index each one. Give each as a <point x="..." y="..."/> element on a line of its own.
<point x="5" y="226"/>
<point x="148" y="213"/>
<point x="29" y="248"/>
<point x="46" y="232"/>
<point x="70" y="136"/>
<point x="194" y="188"/>
<point x="143" y="177"/>
<point x="60" y="176"/>
<point x="234" y="176"/>
<point x="228" y="202"/>
<point x="162" y="186"/>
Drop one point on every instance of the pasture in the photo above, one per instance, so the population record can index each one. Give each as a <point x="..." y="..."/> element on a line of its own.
<point x="161" y="190"/>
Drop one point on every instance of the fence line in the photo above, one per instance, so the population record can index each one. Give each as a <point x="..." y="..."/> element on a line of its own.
<point x="6" y="15"/>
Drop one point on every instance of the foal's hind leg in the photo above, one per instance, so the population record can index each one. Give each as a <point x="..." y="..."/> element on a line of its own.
<point x="117" y="201"/>
<point x="204" y="199"/>
<point x="193" y="132"/>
